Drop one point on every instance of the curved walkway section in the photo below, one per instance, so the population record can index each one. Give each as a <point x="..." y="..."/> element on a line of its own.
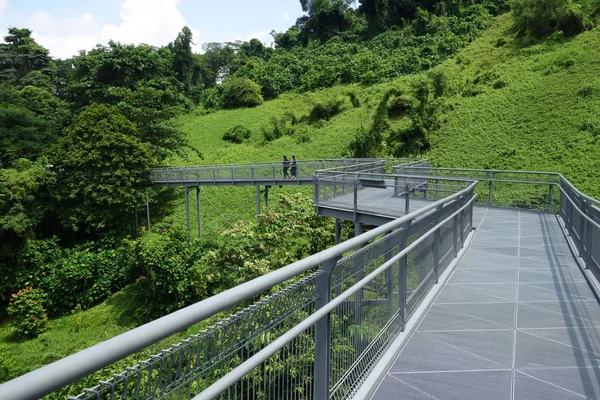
<point x="517" y="320"/>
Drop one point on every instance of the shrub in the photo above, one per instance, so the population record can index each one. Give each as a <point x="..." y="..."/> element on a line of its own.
<point x="237" y="134"/>
<point x="284" y="125"/>
<point x="369" y="78"/>
<point x="27" y="307"/>
<point x="241" y="92"/>
<point x="326" y="110"/>
<point x="540" y="18"/>
<point x="354" y="99"/>
<point x="171" y="276"/>
<point x="211" y="98"/>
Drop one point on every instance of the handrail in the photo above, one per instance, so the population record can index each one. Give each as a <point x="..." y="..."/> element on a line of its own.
<point x="52" y="377"/>
<point x="239" y="372"/>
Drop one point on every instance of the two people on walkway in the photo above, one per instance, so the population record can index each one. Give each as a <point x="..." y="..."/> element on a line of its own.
<point x="286" y="165"/>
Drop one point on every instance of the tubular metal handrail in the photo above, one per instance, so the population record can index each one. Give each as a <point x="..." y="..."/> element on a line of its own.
<point x="52" y="377"/>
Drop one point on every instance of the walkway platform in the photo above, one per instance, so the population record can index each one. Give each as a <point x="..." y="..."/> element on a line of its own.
<point x="516" y="320"/>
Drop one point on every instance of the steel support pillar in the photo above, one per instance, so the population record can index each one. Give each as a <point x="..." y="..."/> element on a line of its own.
<point x="187" y="212"/>
<point x="257" y="203"/>
<point x="148" y="215"/>
<point x="267" y="196"/>
<point x="198" y="213"/>
<point x="338" y="231"/>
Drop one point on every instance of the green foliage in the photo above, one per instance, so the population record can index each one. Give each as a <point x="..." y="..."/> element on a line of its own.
<point x="237" y="134"/>
<point x="285" y="125"/>
<point x="326" y="110"/>
<point x="170" y="275"/>
<point x="102" y="169"/>
<point x="29" y="314"/>
<point x="20" y="56"/>
<point x="540" y="18"/>
<point x="241" y="92"/>
<point x="354" y="99"/>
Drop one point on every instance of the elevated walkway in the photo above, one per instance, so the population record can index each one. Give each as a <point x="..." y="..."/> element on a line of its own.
<point x="473" y="284"/>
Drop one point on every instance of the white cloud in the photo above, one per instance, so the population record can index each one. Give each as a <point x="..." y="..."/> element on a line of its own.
<point x="285" y="16"/>
<point x="3" y="5"/>
<point x="153" y="22"/>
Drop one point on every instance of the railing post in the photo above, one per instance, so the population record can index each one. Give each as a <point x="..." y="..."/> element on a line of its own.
<point x="436" y="245"/>
<point x="316" y="190"/>
<point x="550" y="192"/>
<point x="389" y="273"/>
<point x="407" y="200"/>
<point x="148" y="215"/>
<point x="252" y="171"/>
<point x="257" y="202"/>
<point x="198" y="213"/>
<point x="355" y="199"/>
<point x="491" y="188"/>
<point x="323" y="334"/>
<point x="274" y="171"/>
<point x="402" y="276"/>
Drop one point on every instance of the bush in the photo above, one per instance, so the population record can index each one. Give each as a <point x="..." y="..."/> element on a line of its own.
<point x="284" y="125"/>
<point x="27" y="307"/>
<point x="237" y="134"/>
<point x="369" y="78"/>
<point x="171" y="276"/>
<point x="241" y="92"/>
<point x="540" y="18"/>
<point x="325" y="111"/>
<point x="211" y="98"/>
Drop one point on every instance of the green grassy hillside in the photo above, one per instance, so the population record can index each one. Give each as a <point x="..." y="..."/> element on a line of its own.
<point x="508" y="106"/>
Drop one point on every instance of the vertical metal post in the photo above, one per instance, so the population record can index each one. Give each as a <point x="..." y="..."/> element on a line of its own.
<point x="461" y="223"/>
<point x="389" y="273"/>
<point x="267" y="196"/>
<point x="257" y="202"/>
<point x="491" y="188"/>
<point x="402" y="276"/>
<point x="187" y="212"/>
<point x="252" y="171"/>
<point x="407" y="194"/>
<point x="437" y="189"/>
<point x="273" y="171"/>
<point x="323" y="333"/>
<point x="551" y="186"/>
<point x="355" y="199"/>
<point x="338" y="231"/>
<point x="198" y="213"/>
<point x="148" y="215"/>
<point x="316" y="191"/>
<point x="436" y="246"/>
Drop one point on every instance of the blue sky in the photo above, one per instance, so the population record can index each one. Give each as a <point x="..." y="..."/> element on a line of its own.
<point x="67" y="26"/>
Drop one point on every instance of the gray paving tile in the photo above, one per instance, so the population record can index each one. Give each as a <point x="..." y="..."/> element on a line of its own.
<point x="555" y="348"/>
<point x="558" y="384"/>
<point x="558" y="314"/>
<point x="480" y="262"/>
<point x="550" y="275"/>
<point x="443" y="351"/>
<point x="557" y="291"/>
<point x="469" y="316"/>
<point x="488" y="275"/>
<point x="489" y="385"/>
<point x="477" y="293"/>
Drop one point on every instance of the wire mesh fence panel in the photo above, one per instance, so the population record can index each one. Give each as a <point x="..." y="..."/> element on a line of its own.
<point x="188" y="367"/>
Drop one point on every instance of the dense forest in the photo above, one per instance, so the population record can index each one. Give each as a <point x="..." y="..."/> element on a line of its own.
<point x="78" y="137"/>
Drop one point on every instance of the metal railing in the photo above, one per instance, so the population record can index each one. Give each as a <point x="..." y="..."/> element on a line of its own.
<point x="232" y="173"/>
<point x="362" y="319"/>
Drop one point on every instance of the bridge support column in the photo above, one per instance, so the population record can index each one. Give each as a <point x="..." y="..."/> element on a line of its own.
<point x="257" y="203"/>
<point x="267" y="196"/>
<point x="338" y="231"/>
<point x="358" y="228"/>
<point x="148" y="215"/>
<point x="187" y="212"/>
<point x="198" y="213"/>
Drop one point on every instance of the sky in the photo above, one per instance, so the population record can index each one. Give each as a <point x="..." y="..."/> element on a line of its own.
<point x="67" y="26"/>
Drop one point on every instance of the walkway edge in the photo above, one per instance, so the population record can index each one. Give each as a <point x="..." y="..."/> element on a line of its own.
<point x="378" y="373"/>
<point x="589" y="275"/>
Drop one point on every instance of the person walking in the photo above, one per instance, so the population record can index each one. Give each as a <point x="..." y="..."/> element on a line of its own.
<point x="294" y="171"/>
<point x="286" y="166"/>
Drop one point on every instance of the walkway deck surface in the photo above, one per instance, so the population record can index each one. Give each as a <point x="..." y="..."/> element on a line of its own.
<point x="516" y="320"/>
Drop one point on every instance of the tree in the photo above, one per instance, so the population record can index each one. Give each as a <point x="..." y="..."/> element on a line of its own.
<point x="20" y="55"/>
<point x="102" y="169"/>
